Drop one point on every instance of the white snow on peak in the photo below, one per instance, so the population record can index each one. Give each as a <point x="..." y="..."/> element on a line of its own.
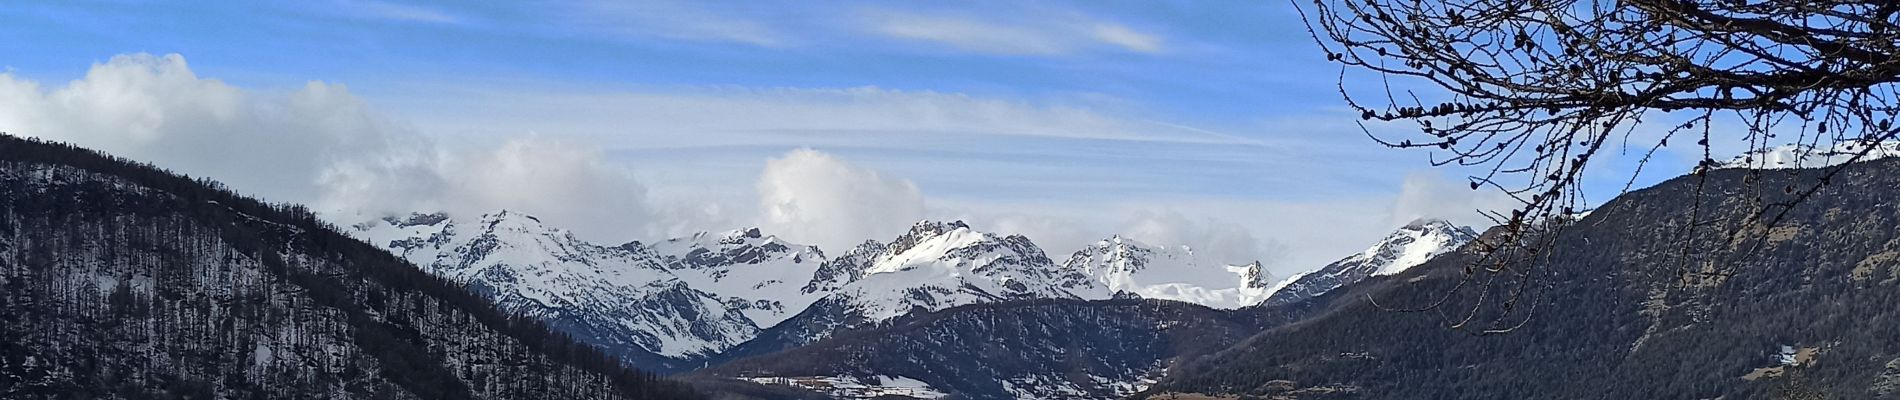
<point x="1416" y="243"/>
<point x="682" y="297"/>
<point x="1410" y="245"/>
<point x="1123" y="265"/>
<point x="546" y="262"/>
<point x="938" y="265"/>
<point x="707" y="292"/>
<point x="847" y="387"/>
<point x="759" y="274"/>
<point x="1794" y="156"/>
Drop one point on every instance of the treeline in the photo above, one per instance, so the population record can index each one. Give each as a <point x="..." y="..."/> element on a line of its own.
<point x="65" y="205"/>
<point x="1042" y="345"/>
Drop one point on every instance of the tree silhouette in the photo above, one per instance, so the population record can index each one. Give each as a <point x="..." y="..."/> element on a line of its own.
<point x="1531" y="91"/>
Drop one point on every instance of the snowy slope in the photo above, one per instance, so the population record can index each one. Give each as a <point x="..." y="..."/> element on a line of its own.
<point x="1407" y="247"/>
<point x="1119" y="266"/>
<point x="938" y="265"/>
<point x="680" y="299"/>
<point x="760" y="275"/>
<point x="1806" y="156"/>
<point x="691" y="298"/>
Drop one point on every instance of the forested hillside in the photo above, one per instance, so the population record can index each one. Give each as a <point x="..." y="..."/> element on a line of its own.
<point x="1648" y="297"/>
<point x="1024" y="349"/>
<point x="122" y="280"/>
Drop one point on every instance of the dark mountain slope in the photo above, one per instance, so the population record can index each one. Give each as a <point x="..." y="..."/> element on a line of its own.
<point x="121" y="280"/>
<point x="1035" y="348"/>
<point x="1624" y="310"/>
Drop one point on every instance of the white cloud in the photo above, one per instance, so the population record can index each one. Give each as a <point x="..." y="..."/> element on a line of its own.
<point x="318" y="145"/>
<point x="691" y="21"/>
<point x="1127" y="38"/>
<point x="565" y="184"/>
<point x="1041" y="35"/>
<point x="971" y="35"/>
<point x="1213" y="241"/>
<point x="811" y="197"/>
<point x="394" y="11"/>
<point x="1058" y="235"/>
<point x="1060" y="230"/>
<point x="1287" y="236"/>
<point x="1427" y="194"/>
<point x="153" y="108"/>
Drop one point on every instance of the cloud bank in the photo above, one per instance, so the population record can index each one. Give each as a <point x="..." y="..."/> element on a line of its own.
<point x="1214" y="242"/>
<point x="154" y="109"/>
<point x="812" y="197"/>
<point x="1429" y="195"/>
<point x="318" y="145"/>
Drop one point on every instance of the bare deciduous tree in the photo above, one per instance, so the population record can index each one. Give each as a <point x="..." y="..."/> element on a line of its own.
<point x="1533" y="90"/>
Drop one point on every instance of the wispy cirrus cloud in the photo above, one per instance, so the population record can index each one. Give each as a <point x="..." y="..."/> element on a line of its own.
<point x="1038" y="35"/>
<point x="687" y="21"/>
<point x="1127" y="38"/>
<point x="384" y="10"/>
<point x="695" y="116"/>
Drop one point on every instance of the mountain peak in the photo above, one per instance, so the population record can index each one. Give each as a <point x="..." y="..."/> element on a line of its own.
<point x="937" y="265"/>
<point x="417" y="219"/>
<point x="937" y="227"/>
<point x="1428" y="223"/>
<point x="1802" y="155"/>
<point x="711" y="238"/>
<point x="1118" y="266"/>
<point x="922" y="231"/>
<point x="1404" y="248"/>
<point x="1415" y="243"/>
<point x="506" y="215"/>
<point x="1123" y="241"/>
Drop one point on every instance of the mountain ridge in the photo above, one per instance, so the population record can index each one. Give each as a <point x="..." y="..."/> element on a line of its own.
<point x="1412" y="244"/>
<point x="686" y="302"/>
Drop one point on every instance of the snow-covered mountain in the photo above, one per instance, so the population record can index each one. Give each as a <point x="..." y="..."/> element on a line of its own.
<point x="938" y="265"/>
<point x="762" y="276"/>
<point x="1122" y="267"/>
<point x="1405" y="248"/>
<point x="663" y="304"/>
<point x="1808" y="156"/>
<point x="682" y="302"/>
<point x="932" y="266"/>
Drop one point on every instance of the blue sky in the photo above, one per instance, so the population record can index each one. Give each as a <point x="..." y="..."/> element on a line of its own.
<point x="1195" y="123"/>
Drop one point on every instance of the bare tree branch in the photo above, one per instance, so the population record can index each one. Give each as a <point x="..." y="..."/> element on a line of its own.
<point x="1532" y="90"/>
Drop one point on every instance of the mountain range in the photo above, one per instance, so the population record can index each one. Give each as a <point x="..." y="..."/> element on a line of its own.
<point x="683" y="303"/>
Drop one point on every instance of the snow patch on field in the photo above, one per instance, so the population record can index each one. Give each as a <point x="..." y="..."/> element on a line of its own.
<point x="851" y="388"/>
<point x="1808" y="156"/>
